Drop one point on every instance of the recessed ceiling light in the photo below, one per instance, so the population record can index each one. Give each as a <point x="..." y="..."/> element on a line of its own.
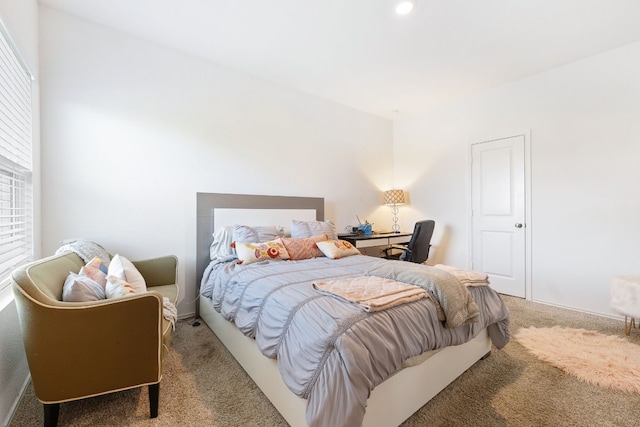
<point x="405" y="6"/>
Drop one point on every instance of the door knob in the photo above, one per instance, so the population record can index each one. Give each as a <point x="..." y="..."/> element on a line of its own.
<point x="518" y="225"/>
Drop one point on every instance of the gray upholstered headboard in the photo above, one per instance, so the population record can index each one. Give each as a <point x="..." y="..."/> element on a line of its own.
<point x="207" y="203"/>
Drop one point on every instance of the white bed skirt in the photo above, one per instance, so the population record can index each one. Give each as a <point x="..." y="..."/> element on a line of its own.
<point x="389" y="404"/>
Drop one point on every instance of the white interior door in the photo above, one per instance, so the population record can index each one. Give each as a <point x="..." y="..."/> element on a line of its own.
<point x="498" y="213"/>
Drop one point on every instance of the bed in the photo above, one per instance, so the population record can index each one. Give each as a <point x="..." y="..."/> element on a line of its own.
<point x="394" y="391"/>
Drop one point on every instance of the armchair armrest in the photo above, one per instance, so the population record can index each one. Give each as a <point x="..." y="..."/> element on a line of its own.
<point x="158" y="271"/>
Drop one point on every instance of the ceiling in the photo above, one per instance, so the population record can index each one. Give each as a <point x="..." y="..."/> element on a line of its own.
<point x="360" y="54"/>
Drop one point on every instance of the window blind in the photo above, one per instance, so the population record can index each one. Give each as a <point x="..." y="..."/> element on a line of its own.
<point x="16" y="205"/>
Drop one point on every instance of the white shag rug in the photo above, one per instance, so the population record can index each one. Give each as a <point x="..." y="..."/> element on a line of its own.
<point x="605" y="360"/>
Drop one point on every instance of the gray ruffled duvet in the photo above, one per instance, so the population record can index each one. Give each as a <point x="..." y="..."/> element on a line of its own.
<point x="331" y="352"/>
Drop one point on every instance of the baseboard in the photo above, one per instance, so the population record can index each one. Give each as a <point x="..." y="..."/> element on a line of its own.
<point x="578" y="310"/>
<point x="187" y="315"/>
<point x="16" y="402"/>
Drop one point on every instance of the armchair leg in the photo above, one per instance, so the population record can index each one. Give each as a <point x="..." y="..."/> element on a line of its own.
<point x="154" y="397"/>
<point x="51" y="411"/>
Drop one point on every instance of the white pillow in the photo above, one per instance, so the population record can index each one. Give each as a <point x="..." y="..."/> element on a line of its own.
<point x="117" y="287"/>
<point x="80" y="288"/>
<point x="221" y="245"/>
<point x="337" y="248"/>
<point x="256" y="233"/>
<point x="124" y="269"/>
<point x="306" y="229"/>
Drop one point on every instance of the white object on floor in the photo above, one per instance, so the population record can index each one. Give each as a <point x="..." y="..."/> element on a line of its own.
<point x="625" y="298"/>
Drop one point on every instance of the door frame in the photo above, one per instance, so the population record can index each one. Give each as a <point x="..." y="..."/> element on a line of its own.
<point x="528" y="275"/>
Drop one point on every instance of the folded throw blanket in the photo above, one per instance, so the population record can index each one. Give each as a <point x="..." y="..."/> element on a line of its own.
<point x="466" y="277"/>
<point x="454" y="303"/>
<point x="85" y="249"/>
<point x="371" y="293"/>
<point x="169" y="312"/>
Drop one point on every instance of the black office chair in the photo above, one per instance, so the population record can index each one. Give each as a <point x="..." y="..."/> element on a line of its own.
<point x="417" y="250"/>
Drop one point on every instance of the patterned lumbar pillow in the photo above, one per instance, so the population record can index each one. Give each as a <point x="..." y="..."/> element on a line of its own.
<point x="252" y="252"/>
<point x="337" y="248"/>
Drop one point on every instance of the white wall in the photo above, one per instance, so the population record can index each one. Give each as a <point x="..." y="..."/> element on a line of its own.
<point x="131" y="131"/>
<point x="20" y="17"/>
<point x="585" y="146"/>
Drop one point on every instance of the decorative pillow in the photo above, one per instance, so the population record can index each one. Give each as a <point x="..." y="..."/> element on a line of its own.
<point x="124" y="269"/>
<point x="221" y="245"/>
<point x="96" y="270"/>
<point x="80" y="288"/>
<point x="305" y="229"/>
<point x="337" y="248"/>
<point x="252" y="252"/>
<point x="303" y="248"/>
<point x="256" y="234"/>
<point x="117" y="287"/>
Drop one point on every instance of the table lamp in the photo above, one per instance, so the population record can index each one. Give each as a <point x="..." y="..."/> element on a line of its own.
<point x="394" y="198"/>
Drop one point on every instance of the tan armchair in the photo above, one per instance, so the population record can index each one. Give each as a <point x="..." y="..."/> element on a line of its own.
<point x="78" y="350"/>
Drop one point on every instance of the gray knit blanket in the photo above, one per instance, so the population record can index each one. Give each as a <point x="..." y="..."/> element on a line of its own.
<point x="454" y="303"/>
<point x="85" y="249"/>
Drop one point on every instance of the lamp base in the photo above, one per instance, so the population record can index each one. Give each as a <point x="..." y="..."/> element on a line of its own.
<point x="396" y="227"/>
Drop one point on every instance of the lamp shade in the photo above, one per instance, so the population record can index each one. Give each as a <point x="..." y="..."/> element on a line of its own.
<point x="394" y="197"/>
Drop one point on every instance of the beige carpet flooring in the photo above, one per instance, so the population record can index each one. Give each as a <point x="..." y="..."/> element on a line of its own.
<point x="204" y="386"/>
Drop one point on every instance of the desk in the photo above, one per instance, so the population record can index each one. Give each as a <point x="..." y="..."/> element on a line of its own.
<point x="376" y="239"/>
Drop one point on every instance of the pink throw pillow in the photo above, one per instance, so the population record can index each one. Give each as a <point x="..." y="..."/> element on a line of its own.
<point x="304" y="248"/>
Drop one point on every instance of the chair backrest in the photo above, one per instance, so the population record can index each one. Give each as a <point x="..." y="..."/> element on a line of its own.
<point x="420" y="242"/>
<point x="44" y="279"/>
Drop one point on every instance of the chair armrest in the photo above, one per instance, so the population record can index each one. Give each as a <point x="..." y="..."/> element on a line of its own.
<point x="74" y="349"/>
<point x="401" y="248"/>
<point x="158" y="271"/>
